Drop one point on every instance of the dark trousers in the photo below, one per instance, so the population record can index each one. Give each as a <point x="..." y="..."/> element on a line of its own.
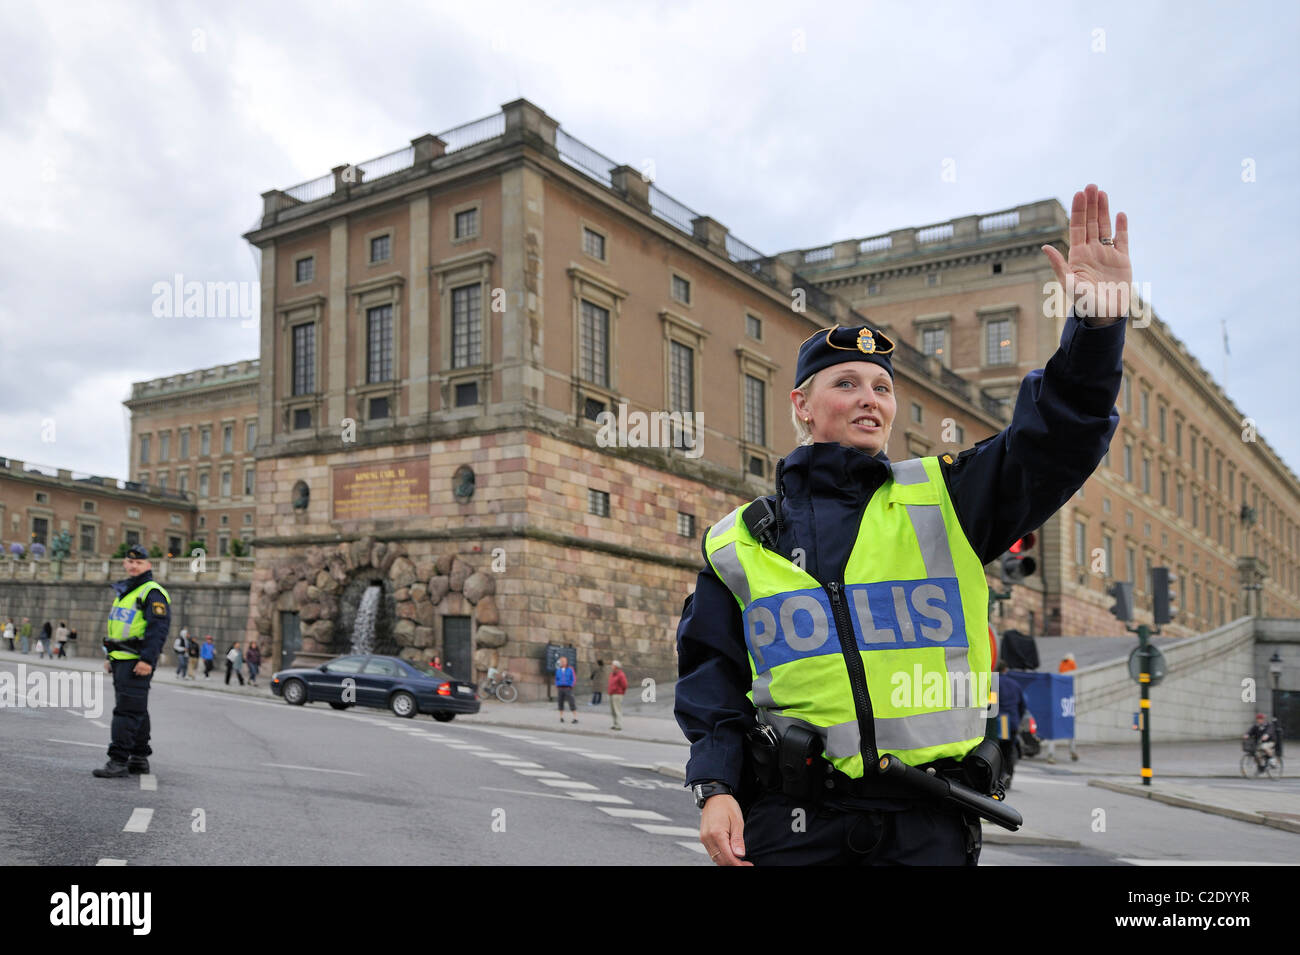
<point x="1008" y="747"/>
<point x="130" y="712"/>
<point x="230" y="667"/>
<point x="782" y="831"/>
<point x="566" y="693"/>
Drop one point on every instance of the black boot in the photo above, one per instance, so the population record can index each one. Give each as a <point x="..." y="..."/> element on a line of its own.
<point x="137" y="764"/>
<point x="112" y="770"/>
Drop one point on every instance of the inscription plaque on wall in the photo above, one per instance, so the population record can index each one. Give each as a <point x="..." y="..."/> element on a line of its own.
<point x="381" y="490"/>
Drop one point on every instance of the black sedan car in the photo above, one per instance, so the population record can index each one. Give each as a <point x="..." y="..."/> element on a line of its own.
<point x="373" y="680"/>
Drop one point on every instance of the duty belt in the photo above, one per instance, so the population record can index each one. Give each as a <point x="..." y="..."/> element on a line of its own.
<point x="129" y="645"/>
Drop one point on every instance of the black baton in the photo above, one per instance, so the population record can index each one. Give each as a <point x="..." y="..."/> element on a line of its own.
<point x="950" y="790"/>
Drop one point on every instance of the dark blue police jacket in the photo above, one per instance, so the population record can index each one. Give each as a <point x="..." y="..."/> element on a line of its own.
<point x="1011" y="701"/>
<point x="156" y="624"/>
<point x="1002" y="488"/>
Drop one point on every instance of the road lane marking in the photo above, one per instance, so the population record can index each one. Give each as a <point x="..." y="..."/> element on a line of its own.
<point x="694" y="847"/>
<point x="139" y="821"/>
<point x="602" y="797"/>
<point x="601" y="756"/>
<point x="566" y="784"/>
<point x="75" y="742"/>
<point x="102" y="725"/>
<point x="1190" y="862"/>
<point x="525" y="792"/>
<point x="111" y="862"/>
<point x="621" y="813"/>
<point x="314" y="769"/>
<point x="488" y="754"/>
<point x="148" y="782"/>
<point x="658" y="830"/>
<point x="517" y="763"/>
<point x="541" y="773"/>
<point x="465" y="746"/>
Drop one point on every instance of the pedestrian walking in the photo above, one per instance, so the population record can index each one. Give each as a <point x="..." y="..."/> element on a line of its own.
<point x="253" y="657"/>
<point x="617" y="687"/>
<point x="193" y="653"/>
<point x="1005" y="726"/>
<point x="9" y="634"/>
<point x="208" y="653"/>
<point x="25" y="635"/>
<point x="137" y="632"/>
<point x="61" y="639"/>
<point x="45" y="644"/>
<point x="811" y="598"/>
<point x="181" y="646"/>
<point x="597" y="675"/>
<point x="72" y="641"/>
<point x="235" y="662"/>
<point x="564" y="680"/>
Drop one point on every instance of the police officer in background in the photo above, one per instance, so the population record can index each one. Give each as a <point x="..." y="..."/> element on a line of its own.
<point x="786" y="728"/>
<point x="137" y="632"/>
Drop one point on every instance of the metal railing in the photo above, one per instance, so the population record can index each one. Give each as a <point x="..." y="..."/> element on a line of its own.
<point x="878" y="244"/>
<point x="474" y="132"/>
<point x="312" y="191"/>
<point x="671" y="211"/>
<point x="935" y="233"/>
<point x="577" y="153"/>
<point x="999" y="221"/>
<point x="377" y="168"/>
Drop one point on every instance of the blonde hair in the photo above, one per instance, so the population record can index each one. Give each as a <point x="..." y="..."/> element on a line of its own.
<point x="802" y="432"/>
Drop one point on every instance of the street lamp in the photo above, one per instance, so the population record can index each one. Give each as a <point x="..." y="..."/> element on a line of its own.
<point x="1275" y="673"/>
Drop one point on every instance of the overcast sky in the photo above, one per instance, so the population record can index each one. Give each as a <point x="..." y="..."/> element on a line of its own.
<point x="136" y="139"/>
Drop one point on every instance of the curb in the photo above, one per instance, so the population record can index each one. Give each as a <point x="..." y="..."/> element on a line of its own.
<point x="997" y="836"/>
<point x="1276" y="821"/>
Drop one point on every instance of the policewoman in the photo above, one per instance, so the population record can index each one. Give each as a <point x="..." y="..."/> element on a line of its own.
<point x="137" y="631"/>
<point x="826" y="613"/>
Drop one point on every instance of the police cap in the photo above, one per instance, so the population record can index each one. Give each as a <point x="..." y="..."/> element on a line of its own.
<point x="832" y="346"/>
<point x="136" y="552"/>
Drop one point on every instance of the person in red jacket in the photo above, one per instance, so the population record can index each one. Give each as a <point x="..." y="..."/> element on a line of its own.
<point x="617" y="687"/>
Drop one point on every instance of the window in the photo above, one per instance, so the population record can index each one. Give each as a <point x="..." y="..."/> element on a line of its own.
<point x="1128" y="394"/>
<point x="248" y="518"/>
<point x="467" y="394"/>
<point x="87" y="539"/>
<point x="164" y="446"/>
<point x="757" y="466"/>
<point x="1108" y="548"/>
<point x="378" y="408"/>
<point x="132" y="538"/>
<point x="250" y="436"/>
<point x="593" y="243"/>
<point x="1128" y="462"/>
<point x="681" y="377"/>
<point x="1232" y="535"/>
<point x="1179" y="508"/>
<point x="997" y="270"/>
<point x="225" y="484"/>
<point x="1196" y="510"/>
<point x="466" y="326"/>
<point x="88" y="507"/>
<point x="685" y="524"/>
<point x="223" y="545"/>
<point x="225" y="519"/>
<point x="205" y="442"/>
<point x="755" y="412"/>
<point x="593" y="345"/>
<point x="1193" y="450"/>
<point x="997" y="342"/>
<point x="1146" y="573"/>
<point x="1146" y="475"/>
<point x="1146" y="403"/>
<point x="754" y="327"/>
<point x="185" y="445"/>
<point x="203" y="485"/>
<point x="183" y="482"/>
<point x="1205" y="460"/>
<point x="1164" y="488"/>
<point x="1160" y="420"/>
<point x="1196" y="597"/>
<point x="1178" y="439"/>
<point x="932" y="341"/>
<point x="304" y="360"/>
<point x="598" y="503"/>
<point x="918" y="413"/>
<point x="467" y="223"/>
<point x="227" y="438"/>
<point x="379" y="343"/>
<point x="144" y="449"/>
<point x="961" y="436"/>
<point x="162" y="480"/>
<point x="1231" y="477"/>
<point x="1132" y="564"/>
<point x="681" y="290"/>
<point x="381" y="248"/>
<point x="248" y="480"/>
<point x="173" y="546"/>
<point x="932" y="280"/>
<point x="1081" y="544"/>
<point x="304" y="270"/>
<point x="301" y="419"/>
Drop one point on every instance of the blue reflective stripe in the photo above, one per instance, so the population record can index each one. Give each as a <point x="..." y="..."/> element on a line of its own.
<point x="890" y="615"/>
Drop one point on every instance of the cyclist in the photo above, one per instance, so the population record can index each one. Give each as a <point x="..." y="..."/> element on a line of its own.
<point x="1265" y="736"/>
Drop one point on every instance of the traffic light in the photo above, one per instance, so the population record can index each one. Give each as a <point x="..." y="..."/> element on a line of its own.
<point x="1016" y="562"/>
<point x="1123" y="594"/>
<point x="1164" y="603"/>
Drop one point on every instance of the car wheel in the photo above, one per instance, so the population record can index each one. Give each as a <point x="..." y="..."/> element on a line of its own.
<point x="444" y="717"/>
<point x="295" y="693"/>
<point x="341" y="706"/>
<point x="402" y="704"/>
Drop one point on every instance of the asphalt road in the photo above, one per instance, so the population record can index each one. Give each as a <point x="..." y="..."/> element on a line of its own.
<point x="248" y="781"/>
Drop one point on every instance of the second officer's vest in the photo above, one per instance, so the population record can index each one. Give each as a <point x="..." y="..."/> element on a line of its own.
<point x="917" y="601"/>
<point x="126" y="622"/>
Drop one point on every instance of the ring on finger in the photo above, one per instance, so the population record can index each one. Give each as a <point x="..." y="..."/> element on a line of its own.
<point x="1107" y="240"/>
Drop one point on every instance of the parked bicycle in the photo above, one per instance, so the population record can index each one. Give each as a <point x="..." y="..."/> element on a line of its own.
<point x="1254" y="761"/>
<point x="501" y="685"/>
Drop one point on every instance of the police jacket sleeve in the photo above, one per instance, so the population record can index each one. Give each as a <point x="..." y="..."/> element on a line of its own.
<point x="713" y="676"/>
<point x="157" y="621"/>
<point x="1063" y="422"/>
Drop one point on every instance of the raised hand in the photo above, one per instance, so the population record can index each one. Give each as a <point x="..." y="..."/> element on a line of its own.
<point x="1098" y="276"/>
